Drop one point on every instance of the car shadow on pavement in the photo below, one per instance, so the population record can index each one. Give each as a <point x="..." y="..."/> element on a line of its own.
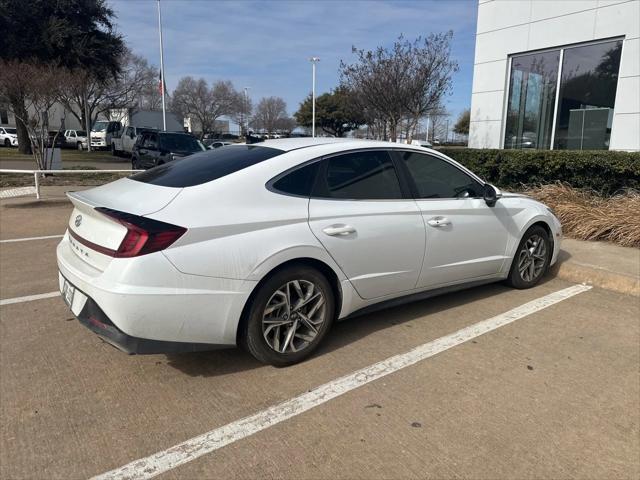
<point x="214" y="363"/>
<point x="234" y="360"/>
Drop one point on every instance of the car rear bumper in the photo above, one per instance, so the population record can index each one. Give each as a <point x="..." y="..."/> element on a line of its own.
<point x="92" y="317"/>
<point x="149" y="305"/>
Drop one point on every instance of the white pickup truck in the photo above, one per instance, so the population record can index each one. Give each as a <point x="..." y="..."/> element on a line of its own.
<point x="75" y="139"/>
<point x="123" y="145"/>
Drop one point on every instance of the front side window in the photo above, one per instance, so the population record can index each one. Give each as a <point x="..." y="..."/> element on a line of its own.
<point x="150" y="141"/>
<point x="437" y="178"/>
<point x="532" y="93"/>
<point x="365" y="175"/>
<point x="587" y="95"/>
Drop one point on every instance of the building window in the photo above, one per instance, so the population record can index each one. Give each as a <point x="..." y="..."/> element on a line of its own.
<point x="4" y="117"/>
<point x="532" y="94"/>
<point x="583" y="111"/>
<point x="587" y="96"/>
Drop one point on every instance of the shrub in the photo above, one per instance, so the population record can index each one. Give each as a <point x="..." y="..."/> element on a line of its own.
<point x="588" y="216"/>
<point x="606" y="172"/>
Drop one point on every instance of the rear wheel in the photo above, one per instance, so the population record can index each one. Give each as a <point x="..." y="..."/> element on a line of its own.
<point x="289" y="316"/>
<point x="532" y="258"/>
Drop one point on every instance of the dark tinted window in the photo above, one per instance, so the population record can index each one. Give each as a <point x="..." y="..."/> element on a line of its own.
<point x="298" y="182"/>
<point x="366" y="175"/>
<point x="436" y="178"/>
<point x="178" y="142"/>
<point x="150" y="141"/>
<point x="206" y="166"/>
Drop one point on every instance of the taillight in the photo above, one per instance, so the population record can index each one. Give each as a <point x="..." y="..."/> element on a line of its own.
<point x="144" y="235"/>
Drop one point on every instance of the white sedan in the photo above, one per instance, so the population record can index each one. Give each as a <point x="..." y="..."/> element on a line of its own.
<point x="265" y="245"/>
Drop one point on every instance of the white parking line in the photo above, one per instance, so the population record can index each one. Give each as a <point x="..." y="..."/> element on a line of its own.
<point x="29" y="298"/>
<point x="198" y="446"/>
<point x="29" y="239"/>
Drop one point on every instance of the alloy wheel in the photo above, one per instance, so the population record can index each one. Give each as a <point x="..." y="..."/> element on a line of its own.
<point x="532" y="258"/>
<point x="293" y="316"/>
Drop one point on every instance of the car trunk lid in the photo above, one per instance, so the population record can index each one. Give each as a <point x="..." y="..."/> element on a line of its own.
<point x="95" y="236"/>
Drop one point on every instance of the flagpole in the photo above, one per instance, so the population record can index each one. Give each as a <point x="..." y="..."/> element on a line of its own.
<point x="162" y="81"/>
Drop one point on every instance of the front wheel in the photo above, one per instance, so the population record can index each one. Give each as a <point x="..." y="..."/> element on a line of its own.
<point x="7" y="142"/>
<point x="532" y="258"/>
<point x="289" y="316"/>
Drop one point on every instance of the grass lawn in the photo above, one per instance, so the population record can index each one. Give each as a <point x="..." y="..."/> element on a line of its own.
<point x="67" y="154"/>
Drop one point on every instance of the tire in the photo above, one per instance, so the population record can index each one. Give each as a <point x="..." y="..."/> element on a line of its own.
<point x="267" y="335"/>
<point x="7" y="142"/>
<point x="532" y="273"/>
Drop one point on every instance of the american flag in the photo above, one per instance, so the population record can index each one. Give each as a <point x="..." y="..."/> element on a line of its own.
<point x="162" y="86"/>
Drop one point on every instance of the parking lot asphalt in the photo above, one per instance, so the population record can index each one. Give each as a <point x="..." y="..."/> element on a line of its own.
<point x="553" y="394"/>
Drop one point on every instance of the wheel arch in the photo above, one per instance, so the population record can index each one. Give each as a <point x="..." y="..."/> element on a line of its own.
<point x="536" y="221"/>
<point x="330" y="274"/>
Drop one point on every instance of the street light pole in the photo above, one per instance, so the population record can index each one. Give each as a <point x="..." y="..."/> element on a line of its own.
<point x="313" y="60"/>
<point x="162" y="81"/>
<point x="427" y="136"/>
<point x="244" y="109"/>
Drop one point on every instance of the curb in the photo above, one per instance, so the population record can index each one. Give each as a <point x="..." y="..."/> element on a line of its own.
<point x="598" y="277"/>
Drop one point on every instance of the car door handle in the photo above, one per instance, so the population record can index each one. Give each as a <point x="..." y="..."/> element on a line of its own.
<point x="339" y="230"/>
<point x="439" y="222"/>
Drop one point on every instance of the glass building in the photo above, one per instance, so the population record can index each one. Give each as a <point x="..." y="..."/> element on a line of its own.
<point x="557" y="75"/>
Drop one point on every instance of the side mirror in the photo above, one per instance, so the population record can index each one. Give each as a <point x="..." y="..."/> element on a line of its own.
<point x="491" y="194"/>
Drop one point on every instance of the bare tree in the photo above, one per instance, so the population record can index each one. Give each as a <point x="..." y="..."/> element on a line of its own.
<point x="225" y="99"/>
<point x="194" y="98"/>
<point x="125" y="90"/>
<point x="242" y="116"/>
<point x="39" y="86"/>
<point x="269" y="114"/>
<point x="405" y="82"/>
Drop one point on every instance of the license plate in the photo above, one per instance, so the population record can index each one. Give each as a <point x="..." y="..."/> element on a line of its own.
<point x="68" y="291"/>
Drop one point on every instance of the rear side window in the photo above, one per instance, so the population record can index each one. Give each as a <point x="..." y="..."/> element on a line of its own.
<point x="206" y="166"/>
<point x="299" y="182"/>
<point x="365" y="175"/>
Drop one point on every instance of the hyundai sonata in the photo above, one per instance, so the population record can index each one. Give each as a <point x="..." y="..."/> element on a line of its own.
<point x="265" y="245"/>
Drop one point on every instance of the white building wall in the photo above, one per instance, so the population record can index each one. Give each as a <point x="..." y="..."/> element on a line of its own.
<point x="506" y="27"/>
<point x="56" y="115"/>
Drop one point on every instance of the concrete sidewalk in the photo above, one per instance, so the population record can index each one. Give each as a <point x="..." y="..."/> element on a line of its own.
<point x="601" y="264"/>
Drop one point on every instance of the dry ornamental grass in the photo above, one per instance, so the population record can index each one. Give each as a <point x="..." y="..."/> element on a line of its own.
<point x="585" y="215"/>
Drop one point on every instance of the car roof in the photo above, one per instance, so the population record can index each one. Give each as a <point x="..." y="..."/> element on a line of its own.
<point x="288" y="144"/>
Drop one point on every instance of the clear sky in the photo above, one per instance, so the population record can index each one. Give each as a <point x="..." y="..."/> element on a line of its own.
<point x="266" y="45"/>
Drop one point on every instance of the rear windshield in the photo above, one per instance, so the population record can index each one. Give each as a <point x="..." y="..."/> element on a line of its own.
<point x="205" y="166"/>
<point x="179" y="142"/>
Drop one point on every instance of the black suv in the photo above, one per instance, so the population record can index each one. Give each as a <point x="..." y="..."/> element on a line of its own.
<point x="156" y="148"/>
